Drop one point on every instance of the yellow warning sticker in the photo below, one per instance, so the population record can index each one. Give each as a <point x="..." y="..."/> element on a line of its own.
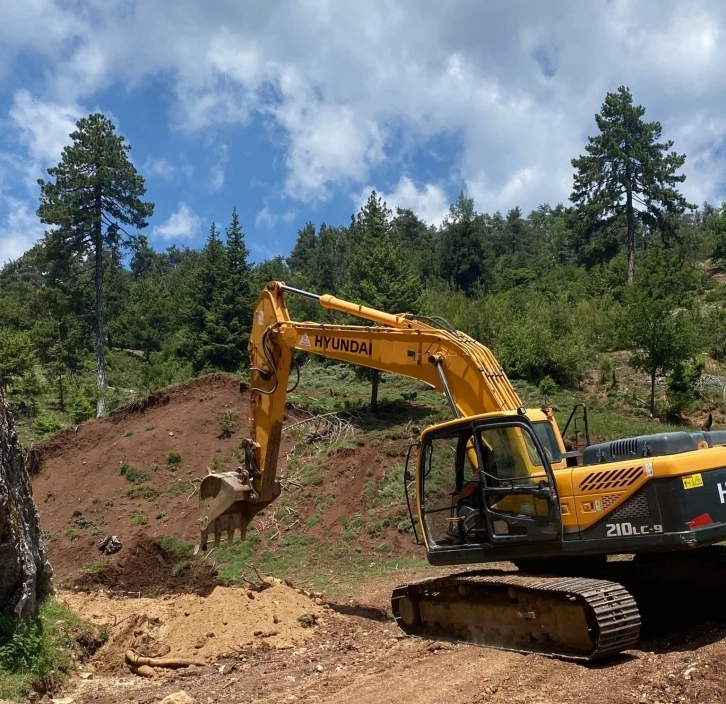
<point x="693" y="481"/>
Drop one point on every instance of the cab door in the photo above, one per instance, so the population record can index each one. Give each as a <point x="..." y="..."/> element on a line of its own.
<point x="517" y="483"/>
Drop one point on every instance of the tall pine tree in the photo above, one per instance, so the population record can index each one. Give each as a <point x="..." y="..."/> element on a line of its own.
<point x="94" y="193"/>
<point x="627" y="175"/>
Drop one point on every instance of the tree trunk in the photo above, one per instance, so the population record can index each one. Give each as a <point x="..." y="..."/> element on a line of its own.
<point x="374" y="391"/>
<point x="61" y="397"/>
<point x="24" y="568"/>
<point x="100" y="367"/>
<point x="631" y="225"/>
<point x="652" y="392"/>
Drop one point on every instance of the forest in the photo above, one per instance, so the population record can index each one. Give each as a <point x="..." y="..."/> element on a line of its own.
<point x="93" y="315"/>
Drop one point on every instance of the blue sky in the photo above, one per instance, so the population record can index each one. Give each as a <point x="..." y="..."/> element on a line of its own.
<point x="294" y="111"/>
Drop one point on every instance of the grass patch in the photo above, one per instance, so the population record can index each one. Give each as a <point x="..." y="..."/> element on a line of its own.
<point x="173" y="460"/>
<point x="149" y="428"/>
<point x="177" y="570"/>
<point x="135" y="476"/>
<point x="128" y="433"/>
<point x="143" y="492"/>
<point x="138" y="519"/>
<point x="94" y="567"/>
<point x="178" y="547"/>
<point x="71" y="534"/>
<point x="37" y="654"/>
<point x="310" y="475"/>
<point x="178" y="487"/>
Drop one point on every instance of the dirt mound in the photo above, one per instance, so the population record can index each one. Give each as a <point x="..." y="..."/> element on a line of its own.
<point x="136" y="469"/>
<point x="227" y="622"/>
<point x="146" y="568"/>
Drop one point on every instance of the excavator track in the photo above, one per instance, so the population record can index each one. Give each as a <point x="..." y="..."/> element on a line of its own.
<point x="566" y="617"/>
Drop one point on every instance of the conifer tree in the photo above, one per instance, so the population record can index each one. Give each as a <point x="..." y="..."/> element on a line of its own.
<point x="94" y="193"/>
<point x="627" y="175"/>
<point x="238" y="295"/>
<point x="462" y="257"/>
<point x="300" y="258"/>
<point x="378" y="273"/>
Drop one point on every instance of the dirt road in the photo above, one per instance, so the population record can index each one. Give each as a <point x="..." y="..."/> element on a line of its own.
<point x="356" y="655"/>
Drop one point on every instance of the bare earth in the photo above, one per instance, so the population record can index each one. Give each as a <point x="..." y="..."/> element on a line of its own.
<point x="282" y="645"/>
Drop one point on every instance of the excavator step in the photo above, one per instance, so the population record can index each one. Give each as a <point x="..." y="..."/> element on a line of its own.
<point x="566" y="617"/>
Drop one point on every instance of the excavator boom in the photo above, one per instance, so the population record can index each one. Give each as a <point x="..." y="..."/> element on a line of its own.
<point x="447" y="360"/>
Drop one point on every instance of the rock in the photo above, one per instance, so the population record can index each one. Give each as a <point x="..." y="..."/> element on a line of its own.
<point x="144" y="671"/>
<point x="180" y="697"/>
<point x="319" y="668"/>
<point x="86" y="675"/>
<point x="65" y="700"/>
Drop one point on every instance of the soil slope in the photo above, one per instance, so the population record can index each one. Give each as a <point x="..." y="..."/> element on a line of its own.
<point x="83" y="496"/>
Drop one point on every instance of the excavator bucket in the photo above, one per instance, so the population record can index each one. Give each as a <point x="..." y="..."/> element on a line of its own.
<point x="227" y="503"/>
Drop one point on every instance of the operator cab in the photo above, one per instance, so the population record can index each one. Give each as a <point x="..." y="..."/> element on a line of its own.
<point x="487" y="481"/>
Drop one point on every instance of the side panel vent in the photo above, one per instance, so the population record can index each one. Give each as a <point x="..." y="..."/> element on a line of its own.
<point x="624" y="448"/>
<point x="635" y="507"/>
<point x="611" y="479"/>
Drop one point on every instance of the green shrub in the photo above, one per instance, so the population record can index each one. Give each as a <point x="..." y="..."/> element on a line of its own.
<point x="683" y="394"/>
<point x="173" y="459"/>
<point x="227" y="423"/>
<point x="46" y="425"/>
<point x="143" y="492"/>
<point x="138" y="519"/>
<point x="135" y="476"/>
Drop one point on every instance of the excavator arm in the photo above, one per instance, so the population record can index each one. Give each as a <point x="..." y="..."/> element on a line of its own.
<point x="458" y="366"/>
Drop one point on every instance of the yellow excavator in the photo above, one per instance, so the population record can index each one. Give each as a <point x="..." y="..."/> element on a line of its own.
<point x="496" y="483"/>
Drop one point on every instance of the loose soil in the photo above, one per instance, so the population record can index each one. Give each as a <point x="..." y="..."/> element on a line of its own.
<point x="350" y="651"/>
<point x="227" y="622"/>
<point x="144" y="568"/>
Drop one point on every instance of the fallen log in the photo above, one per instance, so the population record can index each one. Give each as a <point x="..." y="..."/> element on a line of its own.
<point x="137" y="660"/>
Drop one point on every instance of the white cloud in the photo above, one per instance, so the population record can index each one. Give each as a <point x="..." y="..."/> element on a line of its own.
<point x="161" y="168"/>
<point x="429" y="202"/>
<point x="44" y="127"/>
<point x="20" y="229"/>
<point x="216" y="176"/>
<point x="344" y="88"/>
<point x="266" y="219"/>
<point x="183" y="224"/>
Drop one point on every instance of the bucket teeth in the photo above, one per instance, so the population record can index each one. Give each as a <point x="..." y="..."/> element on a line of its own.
<point x="230" y="535"/>
<point x="217" y="538"/>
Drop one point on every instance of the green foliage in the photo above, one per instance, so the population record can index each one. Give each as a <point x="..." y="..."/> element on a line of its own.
<point x="178" y="487"/>
<point x="93" y="194"/>
<point x="683" y="393"/>
<point x="625" y="165"/>
<point x="148" y="493"/>
<point x="178" y="547"/>
<point x="173" y="459"/>
<point x="39" y="651"/>
<point x="138" y="518"/>
<point x="46" y="425"/>
<point x="227" y="423"/>
<point x="661" y="338"/>
<point x="135" y="476"/>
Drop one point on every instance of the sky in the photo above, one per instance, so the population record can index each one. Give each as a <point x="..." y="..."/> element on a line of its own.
<point x="294" y="111"/>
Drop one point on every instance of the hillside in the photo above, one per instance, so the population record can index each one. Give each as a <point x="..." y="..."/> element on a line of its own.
<point x="340" y="527"/>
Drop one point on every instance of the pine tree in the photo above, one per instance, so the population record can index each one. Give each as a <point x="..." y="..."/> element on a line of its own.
<point x="238" y="294"/>
<point x="627" y="175"/>
<point x="378" y="274"/>
<point x="462" y="256"/>
<point x="300" y="258"/>
<point x="95" y="191"/>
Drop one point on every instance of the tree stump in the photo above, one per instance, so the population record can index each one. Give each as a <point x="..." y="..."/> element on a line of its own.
<point x="25" y="572"/>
